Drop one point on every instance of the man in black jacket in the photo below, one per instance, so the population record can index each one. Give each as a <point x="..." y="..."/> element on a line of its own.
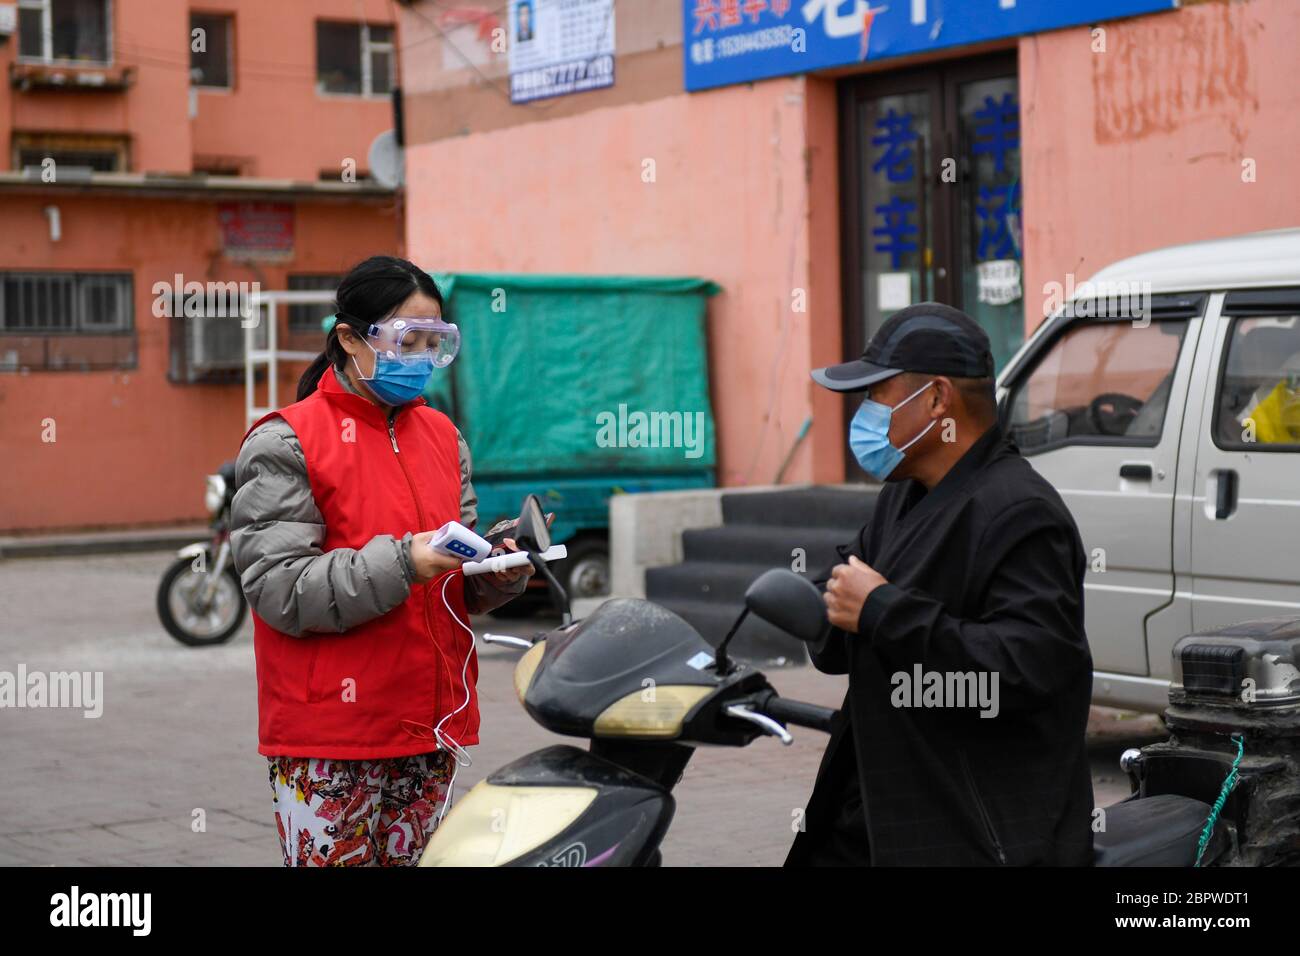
<point x="958" y="616"/>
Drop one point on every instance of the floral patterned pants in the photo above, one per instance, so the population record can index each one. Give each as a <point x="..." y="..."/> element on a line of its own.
<point x="358" y="812"/>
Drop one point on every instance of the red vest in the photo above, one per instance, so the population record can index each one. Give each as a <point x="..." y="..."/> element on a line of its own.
<point x="378" y="689"/>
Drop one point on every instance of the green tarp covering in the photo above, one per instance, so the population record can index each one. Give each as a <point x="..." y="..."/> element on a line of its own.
<point x="545" y="361"/>
<point x="556" y="373"/>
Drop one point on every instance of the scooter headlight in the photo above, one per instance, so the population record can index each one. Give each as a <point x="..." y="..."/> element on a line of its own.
<point x="656" y="711"/>
<point x="215" y="495"/>
<point x="494" y="824"/>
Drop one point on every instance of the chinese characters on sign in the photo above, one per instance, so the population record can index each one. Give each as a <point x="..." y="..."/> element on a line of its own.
<point x="893" y="138"/>
<point x="710" y="16"/>
<point x="995" y="153"/>
<point x="262" y="230"/>
<point x="895" y="152"/>
<point x="559" y="47"/>
<point x="736" y="41"/>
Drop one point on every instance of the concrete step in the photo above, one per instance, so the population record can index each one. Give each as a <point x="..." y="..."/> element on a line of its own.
<point x="707" y="581"/>
<point x="760" y="530"/>
<point x="823" y="506"/>
<point x="756" y="641"/>
<point x="770" y="545"/>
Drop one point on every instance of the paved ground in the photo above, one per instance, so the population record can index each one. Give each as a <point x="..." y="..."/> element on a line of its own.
<point x="178" y="734"/>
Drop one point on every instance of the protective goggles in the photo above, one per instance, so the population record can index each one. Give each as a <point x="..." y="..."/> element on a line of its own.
<point x="410" y="339"/>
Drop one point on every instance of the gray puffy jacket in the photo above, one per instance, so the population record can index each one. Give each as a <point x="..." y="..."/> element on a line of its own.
<point x="276" y="535"/>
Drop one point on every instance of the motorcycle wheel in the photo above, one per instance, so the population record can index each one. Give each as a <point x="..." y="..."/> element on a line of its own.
<point x="185" y="622"/>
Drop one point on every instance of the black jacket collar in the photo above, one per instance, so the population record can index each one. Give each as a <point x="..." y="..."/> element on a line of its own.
<point x="920" y="503"/>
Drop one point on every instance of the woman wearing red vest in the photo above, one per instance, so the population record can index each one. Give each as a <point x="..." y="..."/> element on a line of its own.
<point x="365" y="663"/>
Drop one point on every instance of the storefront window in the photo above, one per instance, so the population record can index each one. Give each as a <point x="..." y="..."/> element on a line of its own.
<point x="988" y="115"/>
<point x="894" y="203"/>
<point x="933" y="190"/>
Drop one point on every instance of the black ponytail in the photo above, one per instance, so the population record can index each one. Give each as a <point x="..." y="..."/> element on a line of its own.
<point x="368" y="294"/>
<point x="307" y="384"/>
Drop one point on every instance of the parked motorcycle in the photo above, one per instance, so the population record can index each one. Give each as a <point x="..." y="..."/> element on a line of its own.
<point x="1234" y="722"/>
<point x="646" y="689"/>
<point x="200" y="600"/>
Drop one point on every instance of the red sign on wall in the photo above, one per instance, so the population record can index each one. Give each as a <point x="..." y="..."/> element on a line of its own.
<point x="259" y="229"/>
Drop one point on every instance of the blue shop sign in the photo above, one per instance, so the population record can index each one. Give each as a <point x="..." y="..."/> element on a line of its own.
<point x="735" y="41"/>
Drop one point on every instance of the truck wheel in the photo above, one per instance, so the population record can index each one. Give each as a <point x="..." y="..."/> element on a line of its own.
<point x="586" y="569"/>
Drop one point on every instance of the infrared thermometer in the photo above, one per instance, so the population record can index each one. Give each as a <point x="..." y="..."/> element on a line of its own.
<point x="457" y="541"/>
<point x="512" y="559"/>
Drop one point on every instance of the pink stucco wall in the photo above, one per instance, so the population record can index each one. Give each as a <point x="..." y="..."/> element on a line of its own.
<point x="1126" y="150"/>
<point x="1142" y="146"/>
<point x="729" y="201"/>
<point x="129" y="446"/>
<point x="273" y="118"/>
<point x="273" y="121"/>
<point x="152" y="112"/>
<point x="132" y="447"/>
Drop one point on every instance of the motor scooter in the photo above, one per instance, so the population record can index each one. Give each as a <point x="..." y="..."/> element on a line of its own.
<point x="646" y="690"/>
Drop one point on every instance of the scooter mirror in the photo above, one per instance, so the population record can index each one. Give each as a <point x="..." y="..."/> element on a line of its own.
<point x="790" y="602"/>
<point x="532" y="534"/>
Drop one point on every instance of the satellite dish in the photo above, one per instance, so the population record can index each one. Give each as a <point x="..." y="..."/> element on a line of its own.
<point x="387" y="160"/>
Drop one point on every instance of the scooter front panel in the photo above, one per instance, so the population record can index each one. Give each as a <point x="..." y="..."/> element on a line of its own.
<point x="556" y="807"/>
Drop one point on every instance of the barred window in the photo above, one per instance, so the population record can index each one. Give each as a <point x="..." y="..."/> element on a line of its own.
<point x="66" y="320"/>
<point x="99" y="152"/>
<point x="307" y="318"/>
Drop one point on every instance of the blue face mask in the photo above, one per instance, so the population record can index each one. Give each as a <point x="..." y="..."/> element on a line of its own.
<point x="398" y="381"/>
<point x="869" y="436"/>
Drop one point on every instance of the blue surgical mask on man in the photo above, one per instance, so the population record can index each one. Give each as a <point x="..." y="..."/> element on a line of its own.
<point x="869" y="436"/>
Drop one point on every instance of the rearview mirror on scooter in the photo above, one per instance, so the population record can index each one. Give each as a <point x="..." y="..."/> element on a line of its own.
<point x="532" y="534"/>
<point x="790" y="602"/>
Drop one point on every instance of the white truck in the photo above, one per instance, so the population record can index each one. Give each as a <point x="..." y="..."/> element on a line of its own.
<point x="1162" y="400"/>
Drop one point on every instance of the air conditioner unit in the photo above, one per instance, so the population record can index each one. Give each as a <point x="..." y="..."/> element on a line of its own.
<point x="215" y="345"/>
<point x="8" y="20"/>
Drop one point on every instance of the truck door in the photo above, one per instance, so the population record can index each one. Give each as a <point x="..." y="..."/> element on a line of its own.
<point x="1245" y="492"/>
<point x="1097" y="409"/>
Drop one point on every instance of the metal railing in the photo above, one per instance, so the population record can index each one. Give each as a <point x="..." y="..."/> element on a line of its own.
<point x="265" y="305"/>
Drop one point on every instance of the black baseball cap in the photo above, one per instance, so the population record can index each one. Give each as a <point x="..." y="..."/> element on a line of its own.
<point x="927" y="337"/>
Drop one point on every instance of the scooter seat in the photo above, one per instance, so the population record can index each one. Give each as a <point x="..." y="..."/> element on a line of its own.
<point x="1154" y="831"/>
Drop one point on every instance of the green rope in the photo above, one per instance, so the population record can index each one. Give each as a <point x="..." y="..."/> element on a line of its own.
<point x="1228" y="784"/>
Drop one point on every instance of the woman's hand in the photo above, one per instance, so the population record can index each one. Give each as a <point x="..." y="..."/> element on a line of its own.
<point x="510" y="575"/>
<point x="428" y="562"/>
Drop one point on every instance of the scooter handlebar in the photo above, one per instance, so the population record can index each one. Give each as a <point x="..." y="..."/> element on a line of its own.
<point x="508" y="640"/>
<point x="799" y="713"/>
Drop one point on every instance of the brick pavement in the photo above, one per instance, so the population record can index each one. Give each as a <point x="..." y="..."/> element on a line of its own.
<point x="178" y="733"/>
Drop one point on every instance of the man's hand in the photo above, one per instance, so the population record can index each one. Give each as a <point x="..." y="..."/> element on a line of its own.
<point x="847" y="590"/>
